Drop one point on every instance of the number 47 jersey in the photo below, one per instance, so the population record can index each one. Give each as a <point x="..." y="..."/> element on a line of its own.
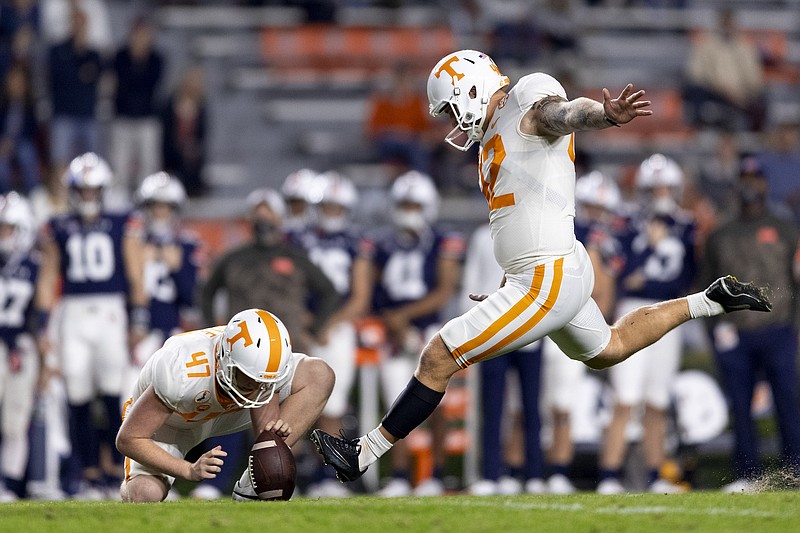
<point x="182" y="374"/>
<point x="91" y="252"/>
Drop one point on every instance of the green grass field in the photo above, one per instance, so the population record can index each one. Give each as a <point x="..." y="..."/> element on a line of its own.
<point x="699" y="511"/>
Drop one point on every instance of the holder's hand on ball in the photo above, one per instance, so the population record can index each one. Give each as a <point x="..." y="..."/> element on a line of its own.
<point x="280" y="426"/>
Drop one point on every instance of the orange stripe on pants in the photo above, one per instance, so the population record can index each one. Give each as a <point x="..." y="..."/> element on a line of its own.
<point x="125" y="407"/>
<point x="506" y="318"/>
<point x="555" y="288"/>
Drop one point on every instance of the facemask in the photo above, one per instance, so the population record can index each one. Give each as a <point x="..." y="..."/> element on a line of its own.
<point x="409" y="220"/>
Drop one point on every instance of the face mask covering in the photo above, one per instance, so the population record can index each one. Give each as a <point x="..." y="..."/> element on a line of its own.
<point x="162" y="231"/>
<point x="332" y="224"/>
<point x="663" y="206"/>
<point x="265" y="232"/>
<point x="409" y="220"/>
<point x="7" y="247"/>
<point x="750" y="195"/>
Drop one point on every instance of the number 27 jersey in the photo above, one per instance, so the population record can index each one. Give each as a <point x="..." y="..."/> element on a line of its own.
<point x="91" y="253"/>
<point x="528" y="181"/>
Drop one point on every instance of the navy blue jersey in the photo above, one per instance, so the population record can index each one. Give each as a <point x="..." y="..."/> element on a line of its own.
<point x="669" y="266"/>
<point x="407" y="267"/>
<point x="171" y="291"/>
<point x="17" y="287"/>
<point x="333" y="253"/>
<point x="91" y="252"/>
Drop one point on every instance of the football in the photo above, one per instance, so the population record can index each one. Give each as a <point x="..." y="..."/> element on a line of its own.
<point x="272" y="467"/>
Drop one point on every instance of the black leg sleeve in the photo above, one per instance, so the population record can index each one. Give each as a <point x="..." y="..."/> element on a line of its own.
<point x="414" y="405"/>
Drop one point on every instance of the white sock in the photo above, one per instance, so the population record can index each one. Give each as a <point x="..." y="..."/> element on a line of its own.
<point x="373" y="446"/>
<point x="701" y="305"/>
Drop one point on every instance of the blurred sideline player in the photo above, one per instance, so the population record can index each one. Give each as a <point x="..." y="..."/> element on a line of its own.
<point x="20" y="364"/>
<point x="659" y="265"/>
<point x="527" y="174"/>
<point x="299" y="212"/>
<point x="332" y="244"/>
<point x="482" y="274"/>
<point x="213" y="382"/>
<point x="170" y="262"/>
<point x="597" y="200"/>
<point x="98" y="256"/>
<point x="415" y="270"/>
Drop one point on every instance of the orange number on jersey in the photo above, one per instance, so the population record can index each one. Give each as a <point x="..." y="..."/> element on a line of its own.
<point x="493" y="146"/>
<point x="198" y="359"/>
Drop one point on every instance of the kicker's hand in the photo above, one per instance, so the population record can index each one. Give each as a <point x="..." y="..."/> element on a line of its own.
<point x="627" y="106"/>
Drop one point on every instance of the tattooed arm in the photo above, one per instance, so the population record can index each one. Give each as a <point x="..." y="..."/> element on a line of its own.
<point x="555" y="116"/>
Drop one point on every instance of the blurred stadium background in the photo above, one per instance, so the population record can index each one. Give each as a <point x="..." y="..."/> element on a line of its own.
<point x="288" y="81"/>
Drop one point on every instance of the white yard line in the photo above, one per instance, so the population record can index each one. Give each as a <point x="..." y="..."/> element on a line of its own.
<point x="621" y="510"/>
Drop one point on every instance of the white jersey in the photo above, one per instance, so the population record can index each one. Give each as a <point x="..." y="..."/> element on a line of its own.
<point x="529" y="182"/>
<point x="182" y="374"/>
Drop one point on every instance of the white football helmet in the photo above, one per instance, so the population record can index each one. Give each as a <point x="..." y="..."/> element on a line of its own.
<point x="595" y="188"/>
<point x="16" y="212"/>
<point x="298" y="184"/>
<point x="464" y="81"/>
<point x="163" y="188"/>
<point x="419" y="189"/>
<point x="87" y="171"/>
<point x="298" y="190"/>
<point x="337" y="190"/>
<point x="659" y="170"/>
<point x="255" y="343"/>
<point x="660" y="180"/>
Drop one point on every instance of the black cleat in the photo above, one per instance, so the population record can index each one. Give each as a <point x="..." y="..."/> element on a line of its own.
<point x="340" y="453"/>
<point x="733" y="295"/>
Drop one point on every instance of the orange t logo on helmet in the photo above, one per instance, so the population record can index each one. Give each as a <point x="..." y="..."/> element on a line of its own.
<point x="243" y="334"/>
<point x="447" y="67"/>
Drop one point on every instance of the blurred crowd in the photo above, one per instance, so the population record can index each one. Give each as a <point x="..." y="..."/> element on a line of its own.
<point x="71" y="86"/>
<point x="98" y="266"/>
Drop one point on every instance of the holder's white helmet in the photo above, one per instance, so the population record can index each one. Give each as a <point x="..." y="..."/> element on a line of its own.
<point x="464" y="81"/>
<point x="15" y="212"/>
<point x="417" y="188"/>
<point x="595" y="188"/>
<point x="255" y="343"/>
<point x="87" y="171"/>
<point x="163" y="188"/>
